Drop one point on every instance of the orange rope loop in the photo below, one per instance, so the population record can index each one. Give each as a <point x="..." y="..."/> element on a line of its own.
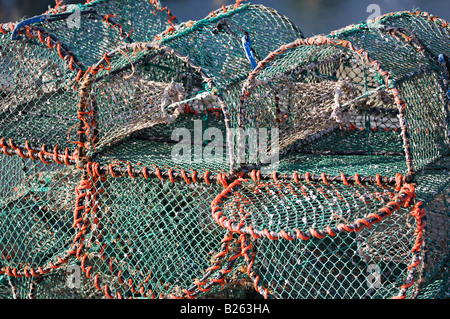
<point x="344" y="179"/>
<point x="398" y="181"/>
<point x="171" y="176"/>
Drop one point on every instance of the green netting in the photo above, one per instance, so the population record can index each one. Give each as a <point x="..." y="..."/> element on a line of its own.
<point x="302" y="244"/>
<point x="368" y="89"/>
<point x="214" y="43"/>
<point x="41" y="66"/>
<point x="156" y="194"/>
<point x="55" y="285"/>
<point x="159" y="240"/>
<point x="38" y="102"/>
<point x="98" y="26"/>
<point x="348" y="164"/>
<point x="153" y="82"/>
<point x="36" y="210"/>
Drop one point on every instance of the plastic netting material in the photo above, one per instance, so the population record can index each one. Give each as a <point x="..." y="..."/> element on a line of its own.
<point x="358" y="207"/>
<point x="389" y="108"/>
<point x="40" y="70"/>
<point x="189" y="55"/>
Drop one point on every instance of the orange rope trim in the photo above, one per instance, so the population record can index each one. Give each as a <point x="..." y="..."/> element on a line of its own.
<point x="43" y="155"/>
<point x="59" y="6"/>
<point x="48" y="41"/>
<point x="418" y="212"/>
<point x="170" y="16"/>
<point x="117" y="25"/>
<point x="2" y="30"/>
<point x="406" y="194"/>
<point x="250" y="262"/>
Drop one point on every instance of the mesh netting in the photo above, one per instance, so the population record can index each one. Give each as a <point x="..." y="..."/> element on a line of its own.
<point x="43" y="58"/>
<point x="330" y="239"/>
<point x="54" y="285"/>
<point x="195" y="63"/>
<point x="124" y="142"/>
<point x="36" y="216"/>
<point x="394" y="104"/>
<point x="152" y="254"/>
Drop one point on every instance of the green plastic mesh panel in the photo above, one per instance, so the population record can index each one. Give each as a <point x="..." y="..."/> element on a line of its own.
<point x="422" y="24"/>
<point x="427" y="118"/>
<point x="144" y="19"/>
<point x="317" y="240"/>
<point x="192" y="143"/>
<point x="438" y="233"/>
<point x="37" y="100"/>
<point x="94" y="28"/>
<point x="140" y="95"/>
<point x="369" y="165"/>
<point x="159" y="240"/>
<point x="214" y="43"/>
<point x="437" y="286"/>
<point x="433" y="189"/>
<point x="37" y="204"/>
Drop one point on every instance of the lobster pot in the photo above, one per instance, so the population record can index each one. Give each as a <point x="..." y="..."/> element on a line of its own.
<point x="362" y="91"/>
<point x="151" y="238"/>
<point x="311" y="239"/>
<point x="37" y="202"/>
<point x="186" y="71"/>
<point x="42" y="61"/>
<point x="96" y="27"/>
<point x="152" y="111"/>
<point x="146" y="90"/>
<point x="367" y="100"/>
<point x="38" y="123"/>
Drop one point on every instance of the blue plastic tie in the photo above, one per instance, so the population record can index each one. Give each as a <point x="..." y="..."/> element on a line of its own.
<point x="37" y="19"/>
<point x="247" y="44"/>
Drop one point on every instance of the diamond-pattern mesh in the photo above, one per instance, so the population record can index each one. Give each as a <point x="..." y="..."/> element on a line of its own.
<point x="124" y="171"/>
